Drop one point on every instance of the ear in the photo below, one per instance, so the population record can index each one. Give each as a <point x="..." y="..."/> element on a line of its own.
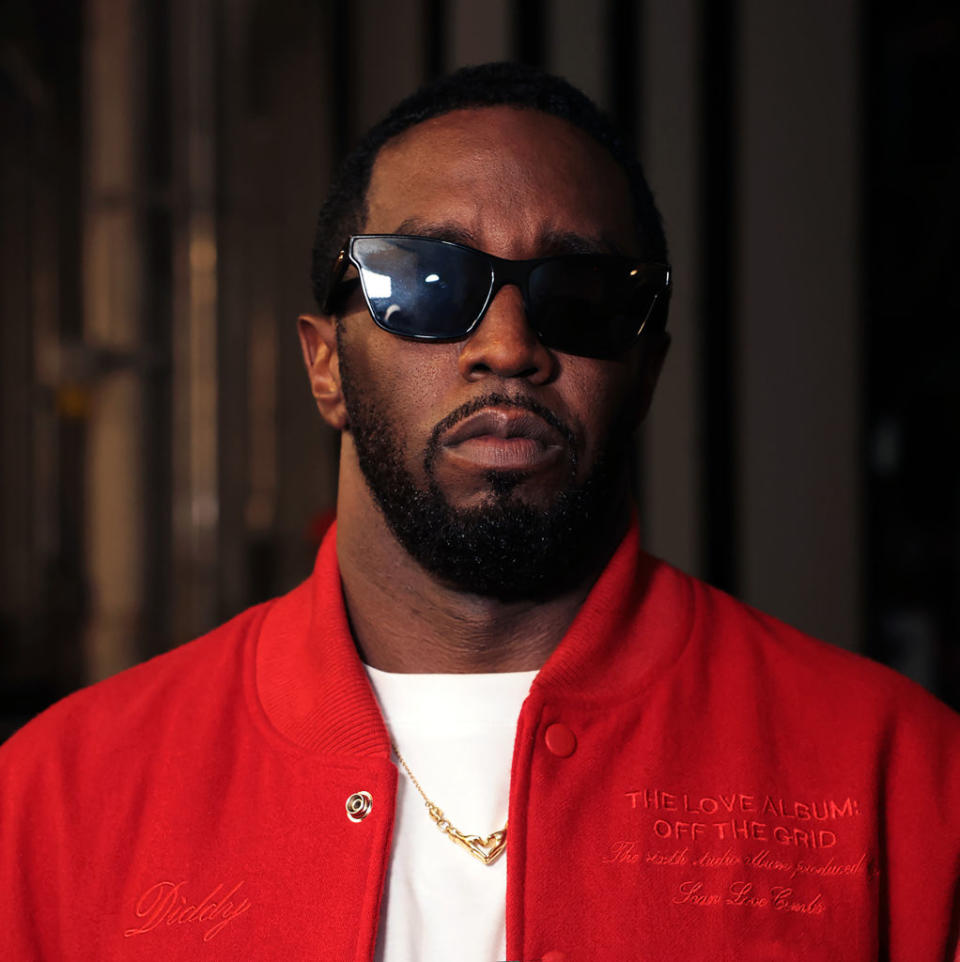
<point x="654" y="354"/>
<point x="318" y="340"/>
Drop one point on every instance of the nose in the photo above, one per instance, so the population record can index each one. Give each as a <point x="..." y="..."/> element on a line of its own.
<point x="505" y="345"/>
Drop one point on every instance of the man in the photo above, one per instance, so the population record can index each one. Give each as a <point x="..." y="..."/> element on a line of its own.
<point x="488" y="726"/>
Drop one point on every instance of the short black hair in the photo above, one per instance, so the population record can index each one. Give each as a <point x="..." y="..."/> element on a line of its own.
<point x="488" y="85"/>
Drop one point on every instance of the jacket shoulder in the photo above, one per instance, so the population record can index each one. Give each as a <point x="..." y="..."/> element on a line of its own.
<point x="750" y="646"/>
<point x="110" y="715"/>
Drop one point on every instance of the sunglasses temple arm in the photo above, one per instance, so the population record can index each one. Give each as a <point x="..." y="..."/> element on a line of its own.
<point x="337" y="271"/>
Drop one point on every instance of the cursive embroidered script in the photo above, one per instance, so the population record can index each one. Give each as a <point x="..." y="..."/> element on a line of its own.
<point x="165" y="904"/>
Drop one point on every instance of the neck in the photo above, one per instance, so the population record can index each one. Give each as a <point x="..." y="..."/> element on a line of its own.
<point x="404" y="620"/>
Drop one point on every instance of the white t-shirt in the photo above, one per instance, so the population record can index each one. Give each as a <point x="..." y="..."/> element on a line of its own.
<point x="456" y="732"/>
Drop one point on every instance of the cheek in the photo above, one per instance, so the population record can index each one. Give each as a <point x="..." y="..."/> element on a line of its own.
<point x="416" y="376"/>
<point x="390" y="365"/>
<point x="602" y="395"/>
<point x="408" y="382"/>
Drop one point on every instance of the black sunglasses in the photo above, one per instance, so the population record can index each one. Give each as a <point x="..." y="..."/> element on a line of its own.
<point x="594" y="305"/>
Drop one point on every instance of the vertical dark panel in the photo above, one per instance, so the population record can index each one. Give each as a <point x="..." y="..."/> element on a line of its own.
<point x="20" y="156"/>
<point x="911" y="245"/>
<point x="530" y="32"/>
<point x="435" y="38"/>
<point x="43" y="594"/>
<point x="623" y="96"/>
<point x="340" y="84"/>
<point x="157" y="327"/>
<point x="232" y="335"/>
<point x="623" y="71"/>
<point x="66" y="576"/>
<point x="718" y="82"/>
<point x="870" y="74"/>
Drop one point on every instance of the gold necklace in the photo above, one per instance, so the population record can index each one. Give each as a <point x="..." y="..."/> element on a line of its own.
<point x="487" y="849"/>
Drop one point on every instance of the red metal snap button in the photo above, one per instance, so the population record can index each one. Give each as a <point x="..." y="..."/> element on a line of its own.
<point x="554" y="955"/>
<point x="561" y="741"/>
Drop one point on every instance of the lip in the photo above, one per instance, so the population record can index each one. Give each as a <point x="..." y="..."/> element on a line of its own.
<point x="504" y="438"/>
<point x="503" y="423"/>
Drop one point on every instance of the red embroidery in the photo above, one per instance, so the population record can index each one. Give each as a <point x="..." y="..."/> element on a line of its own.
<point x="165" y="903"/>
<point x="802" y="842"/>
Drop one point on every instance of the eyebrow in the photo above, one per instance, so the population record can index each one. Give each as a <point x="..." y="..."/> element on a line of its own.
<point x="437" y="231"/>
<point x="551" y="243"/>
<point x="569" y="242"/>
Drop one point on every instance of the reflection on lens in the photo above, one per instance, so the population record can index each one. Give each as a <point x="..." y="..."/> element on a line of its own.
<point x="376" y="285"/>
<point x="433" y="290"/>
<point x="591" y="305"/>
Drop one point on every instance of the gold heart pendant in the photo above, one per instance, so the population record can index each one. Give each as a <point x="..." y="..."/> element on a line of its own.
<point x="488" y="849"/>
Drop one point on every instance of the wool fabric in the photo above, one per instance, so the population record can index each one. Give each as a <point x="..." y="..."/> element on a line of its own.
<point x="691" y="779"/>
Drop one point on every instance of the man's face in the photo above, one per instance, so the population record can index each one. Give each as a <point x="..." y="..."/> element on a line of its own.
<point x="497" y="462"/>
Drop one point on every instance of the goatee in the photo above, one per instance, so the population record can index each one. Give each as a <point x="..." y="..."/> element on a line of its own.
<point x="504" y="548"/>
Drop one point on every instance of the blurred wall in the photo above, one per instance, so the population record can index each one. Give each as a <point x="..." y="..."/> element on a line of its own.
<point x="163" y="161"/>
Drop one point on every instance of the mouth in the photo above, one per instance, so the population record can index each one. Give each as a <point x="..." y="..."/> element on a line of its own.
<point x="504" y="438"/>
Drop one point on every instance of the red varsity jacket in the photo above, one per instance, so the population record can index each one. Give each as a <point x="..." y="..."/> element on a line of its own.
<point x="692" y="780"/>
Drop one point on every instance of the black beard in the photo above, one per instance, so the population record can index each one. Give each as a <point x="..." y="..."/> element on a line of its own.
<point x="504" y="548"/>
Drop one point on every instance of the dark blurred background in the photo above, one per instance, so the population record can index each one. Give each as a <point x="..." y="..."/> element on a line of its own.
<point x="161" y="163"/>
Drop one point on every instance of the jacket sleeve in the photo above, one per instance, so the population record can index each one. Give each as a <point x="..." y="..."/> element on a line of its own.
<point x="30" y="843"/>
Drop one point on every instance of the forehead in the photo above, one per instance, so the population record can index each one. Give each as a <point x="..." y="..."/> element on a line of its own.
<point x="503" y="179"/>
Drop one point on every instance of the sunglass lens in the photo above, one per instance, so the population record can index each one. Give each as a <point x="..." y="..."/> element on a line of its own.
<point x="418" y="287"/>
<point x="586" y="306"/>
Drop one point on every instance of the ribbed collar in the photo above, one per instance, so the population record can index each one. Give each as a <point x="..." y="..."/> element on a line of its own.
<point x="310" y="680"/>
<point x="315" y="692"/>
<point x="633" y="624"/>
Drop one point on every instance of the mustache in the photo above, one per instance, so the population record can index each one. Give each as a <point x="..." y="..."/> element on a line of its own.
<point x="503" y="401"/>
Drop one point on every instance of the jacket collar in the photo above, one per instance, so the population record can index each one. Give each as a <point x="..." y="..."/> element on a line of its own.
<point x="314" y="690"/>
